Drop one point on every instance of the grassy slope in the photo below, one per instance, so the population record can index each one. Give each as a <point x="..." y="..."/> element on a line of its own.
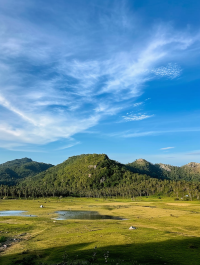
<point x="167" y="231"/>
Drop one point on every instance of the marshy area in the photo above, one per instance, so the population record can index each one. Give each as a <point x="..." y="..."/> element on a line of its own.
<point x="96" y="231"/>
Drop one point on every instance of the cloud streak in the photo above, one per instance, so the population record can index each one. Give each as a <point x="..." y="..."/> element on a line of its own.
<point x="166" y="148"/>
<point x="137" y="104"/>
<point x="131" y="134"/>
<point x="68" y="146"/>
<point x="67" y="77"/>
<point x="139" y="117"/>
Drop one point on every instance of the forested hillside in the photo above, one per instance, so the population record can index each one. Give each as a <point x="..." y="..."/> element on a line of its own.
<point x="189" y="172"/>
<point x="142" y="166"/>
<point x="98" y="176"/>
<point x="12" y="172"/>
<point x="79" y="173"/>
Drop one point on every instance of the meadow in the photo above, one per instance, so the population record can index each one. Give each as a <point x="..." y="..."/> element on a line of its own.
<point x="167" y="232"/>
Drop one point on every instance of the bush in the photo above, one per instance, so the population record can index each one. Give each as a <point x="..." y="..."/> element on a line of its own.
<point x="2" y="239"/>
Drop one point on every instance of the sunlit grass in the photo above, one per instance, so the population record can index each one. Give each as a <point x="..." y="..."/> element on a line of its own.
<point x="167" y="231"/>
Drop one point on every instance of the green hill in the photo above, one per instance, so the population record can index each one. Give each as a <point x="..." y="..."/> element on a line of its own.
<point x="82" y="173"/>
<point x="189" y="172"/>
<point x="96" y="175"/>
<point x="142" y="166"/>
<point x="12" y="172"/>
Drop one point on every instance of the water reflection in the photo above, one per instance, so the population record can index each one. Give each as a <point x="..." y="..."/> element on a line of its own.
<point x="15" y="213"/>
<point x="84" y="215"/>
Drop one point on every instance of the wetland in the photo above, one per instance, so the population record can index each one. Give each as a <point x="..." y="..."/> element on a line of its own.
<point x="15" y="213"/>
<point x="84" y="215"/>
<point x="167" y="232"/>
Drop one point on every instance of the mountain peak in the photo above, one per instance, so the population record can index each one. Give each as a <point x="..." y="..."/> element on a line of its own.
<point x="14" y="171"/>
<point x="17" y="161"/>
<point x="193" y="164"/>
<point x="141" y="160"/>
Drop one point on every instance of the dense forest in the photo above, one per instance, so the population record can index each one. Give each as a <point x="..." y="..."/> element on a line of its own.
<point x="12" y="172"/>
<point x="189" y="172"/>
<point x="96" y="175"/>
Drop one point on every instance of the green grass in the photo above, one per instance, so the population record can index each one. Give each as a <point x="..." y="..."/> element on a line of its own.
<point x="168" y="231"/>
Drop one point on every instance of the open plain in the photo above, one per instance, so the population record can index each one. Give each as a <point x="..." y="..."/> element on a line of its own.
<point x="167" y="232"/>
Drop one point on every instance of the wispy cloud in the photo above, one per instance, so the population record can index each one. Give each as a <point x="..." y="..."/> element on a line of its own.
<point x="194" y="153"/>
<point x="138" y="117"/>
<point x="166" y="148"/>
<point x="171" y="71"/>
<point x="137" y="104"/>
<point x="133" y="134"/>
<point x="68" y="146"/>
<point x="62" y="79"/>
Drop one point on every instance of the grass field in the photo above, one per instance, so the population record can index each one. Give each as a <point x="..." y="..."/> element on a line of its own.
<point x="168" y="232"/>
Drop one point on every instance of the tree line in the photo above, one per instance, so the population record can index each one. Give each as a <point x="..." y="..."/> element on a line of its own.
<point x="139" y="186"/>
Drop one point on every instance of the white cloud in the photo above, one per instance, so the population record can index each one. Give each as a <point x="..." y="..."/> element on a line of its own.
<point x="7" y="105"/>
<point x="137" y="104"/>
<point x="166" y="148"/>
<point x="129" y="134"/>
<point x="171" y="70"/>
<point x="59" y="80"/>
<point x="138" y="117"/>
<point x="68" y="146"/>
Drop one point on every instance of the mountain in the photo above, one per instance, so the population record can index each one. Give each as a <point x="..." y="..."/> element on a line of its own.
<point x="189" y="172"/>
<point x="142" y="166"/>
<point x="83" y="172"/>
<point x="98" y="176"/>
<point x="192" y="167"/>
<point x="91" y="171"/>
<point x="12" y="172"/>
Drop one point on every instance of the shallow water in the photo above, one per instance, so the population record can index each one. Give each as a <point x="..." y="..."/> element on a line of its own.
<point x="15" y="213"/>
<point x="84" y="215"/>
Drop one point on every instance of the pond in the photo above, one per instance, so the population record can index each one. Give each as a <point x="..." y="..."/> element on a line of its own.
<point x="15" y="213"/>
<point x="84" y="215"/>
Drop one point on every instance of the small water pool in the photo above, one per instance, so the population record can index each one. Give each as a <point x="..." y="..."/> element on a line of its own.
<point x="84" y="215"/>
<point x="15" y="213"/>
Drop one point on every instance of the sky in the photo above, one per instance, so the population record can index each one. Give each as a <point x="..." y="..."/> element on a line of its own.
<point x="100" y="76"/>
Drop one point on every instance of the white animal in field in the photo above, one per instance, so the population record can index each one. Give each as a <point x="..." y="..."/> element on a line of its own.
<point x="132" y="227"/>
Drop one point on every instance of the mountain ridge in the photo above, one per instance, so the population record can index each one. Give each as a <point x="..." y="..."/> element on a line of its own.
<point x="188" y="172"/>
<point x="14" y="171"/>
<point x="97" y="175"/>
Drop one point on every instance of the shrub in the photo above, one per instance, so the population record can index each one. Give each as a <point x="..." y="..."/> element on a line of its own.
<point x="2" y="239"/>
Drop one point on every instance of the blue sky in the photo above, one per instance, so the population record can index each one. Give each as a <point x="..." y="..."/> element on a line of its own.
<point x="100" y="76"/>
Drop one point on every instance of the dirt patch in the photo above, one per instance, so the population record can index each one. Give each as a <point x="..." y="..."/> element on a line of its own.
<point x="178" y="204"/>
